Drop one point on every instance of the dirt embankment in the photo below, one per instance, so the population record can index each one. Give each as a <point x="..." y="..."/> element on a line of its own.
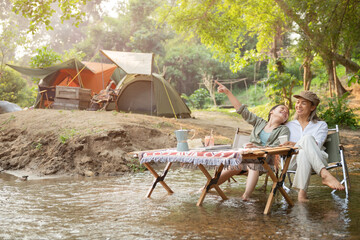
<point x="52" y="142"/>
<point x="48" y="142"/>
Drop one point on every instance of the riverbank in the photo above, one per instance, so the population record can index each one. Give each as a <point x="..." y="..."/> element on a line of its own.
<point x="43" y="142"/>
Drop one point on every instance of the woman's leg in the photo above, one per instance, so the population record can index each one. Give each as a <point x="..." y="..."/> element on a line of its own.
<point x="251" y="181"/>
<point x="226" y="174"/>
<point x="309" y="158"/>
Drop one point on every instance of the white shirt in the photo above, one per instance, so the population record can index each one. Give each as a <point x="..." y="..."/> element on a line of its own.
<point x="318" y="130"/>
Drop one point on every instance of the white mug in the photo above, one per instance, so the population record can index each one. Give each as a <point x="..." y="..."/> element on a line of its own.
<point x="283" y="139"/>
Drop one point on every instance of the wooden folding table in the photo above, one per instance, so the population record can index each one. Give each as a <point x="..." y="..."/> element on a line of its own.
<point x="219" y="159"/>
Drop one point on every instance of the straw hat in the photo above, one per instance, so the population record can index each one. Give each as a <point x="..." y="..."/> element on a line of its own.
<point x="310" y="96"/>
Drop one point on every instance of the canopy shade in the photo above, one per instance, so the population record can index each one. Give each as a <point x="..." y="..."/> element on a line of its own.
<point x="43" y="72"/>
<point x="131" y="63"/>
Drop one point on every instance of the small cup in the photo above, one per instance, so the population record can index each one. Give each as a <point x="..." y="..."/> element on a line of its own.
<point x="209" y="141"/>
<point x="283" y="139"/>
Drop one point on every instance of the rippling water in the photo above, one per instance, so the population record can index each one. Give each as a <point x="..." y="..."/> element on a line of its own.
<point x="116" y="208"/>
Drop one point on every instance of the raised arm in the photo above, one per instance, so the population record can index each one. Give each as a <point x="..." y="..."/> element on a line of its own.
<point x="234" y="101"/>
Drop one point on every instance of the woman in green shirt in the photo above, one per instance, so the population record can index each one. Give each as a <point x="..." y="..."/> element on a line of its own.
<point x="264" y="134"/>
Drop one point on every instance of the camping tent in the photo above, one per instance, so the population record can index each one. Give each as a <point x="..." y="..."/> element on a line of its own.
<point x="94" y="76"/>
<point x="142" y="91"/>
<point x="150" y="94"/>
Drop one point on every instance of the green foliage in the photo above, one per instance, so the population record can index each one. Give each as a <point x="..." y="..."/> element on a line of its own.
<point x="337" y="112"/>
<point x="37" y="145"/>
<point x="230" y="29"/>
<point x="187" y="62"/>
<point x="13" y="88"/>
<point x="320" y="76"/>
<point x="135" y="166"/>
<point x="200" y="98"/>
<point x="220" y="98"/>
<point x="10" y="38"/>
<point x="41" y="12"/>
<point x="253" y="96"/>
<point x="354" y="78"/>
<point x="72" y="53"/>
<point x="280" y="85"/>
<point x="45" y="57"/>
<point x="67" y="134"/>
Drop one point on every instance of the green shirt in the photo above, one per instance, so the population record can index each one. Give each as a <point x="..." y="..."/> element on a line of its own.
<point x="259" y="124"/>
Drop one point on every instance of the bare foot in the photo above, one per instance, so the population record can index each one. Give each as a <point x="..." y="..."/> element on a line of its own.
<point x="330" y="181"/>
<point x="302" y="196"/>
<point x="245" y="197"/>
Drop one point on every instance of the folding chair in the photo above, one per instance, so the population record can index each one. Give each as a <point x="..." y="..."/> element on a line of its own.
<point x="46" y="96"/>
<point x="336" y="157"/>
<point x="239" y="141"/>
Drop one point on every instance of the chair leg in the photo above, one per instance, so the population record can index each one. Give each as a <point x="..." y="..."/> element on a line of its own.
<point x="290" y="182"/>
<point x="345" y="173"/>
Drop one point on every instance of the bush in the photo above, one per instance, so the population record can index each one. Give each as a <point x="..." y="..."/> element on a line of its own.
<point x="13" y="88"/>
<point x="199" y="99"/>
<point x="337" y="112"/>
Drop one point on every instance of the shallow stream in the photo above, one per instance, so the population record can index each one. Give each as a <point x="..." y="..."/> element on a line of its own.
<point x="116" y="208"/>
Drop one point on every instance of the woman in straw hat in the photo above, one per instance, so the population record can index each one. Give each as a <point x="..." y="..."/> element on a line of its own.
<point x="264" y="133"/>
<point x="308" y="133"/>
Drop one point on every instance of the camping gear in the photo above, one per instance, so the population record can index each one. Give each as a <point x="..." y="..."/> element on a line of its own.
<point x="142" y="91"/>
<point x="72" y="73"/>
<point x="182" y="136"/>
<point x="6" y="107"/>
<point x="150" y="94"/>
<point x="47" y="96"/>
<point x="209" y="140"/>
<point x="72" y="98"/>
<point x="104" y="98"/>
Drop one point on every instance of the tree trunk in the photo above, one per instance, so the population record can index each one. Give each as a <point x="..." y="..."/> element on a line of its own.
<point x="347" y="55"/>
<point x="330" y="71"/>
<point x="340" y="90"/>
<point x="307" y="71"/>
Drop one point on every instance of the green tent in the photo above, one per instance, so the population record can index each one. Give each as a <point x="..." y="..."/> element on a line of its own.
<point x="142" y="91"/>
<point x="150" y="94"/>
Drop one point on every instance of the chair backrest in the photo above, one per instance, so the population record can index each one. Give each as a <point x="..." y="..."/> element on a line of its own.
<point x="240" y="140"/>
<point x="332" y="145"/>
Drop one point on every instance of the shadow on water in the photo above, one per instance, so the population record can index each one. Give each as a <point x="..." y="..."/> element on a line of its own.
<point x="115" y="208"/>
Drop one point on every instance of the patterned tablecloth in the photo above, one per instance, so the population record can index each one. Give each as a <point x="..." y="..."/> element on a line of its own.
<point x="229" y="158"/>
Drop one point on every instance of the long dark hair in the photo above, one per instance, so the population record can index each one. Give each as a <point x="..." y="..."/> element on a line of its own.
<point x="273" y="109"/>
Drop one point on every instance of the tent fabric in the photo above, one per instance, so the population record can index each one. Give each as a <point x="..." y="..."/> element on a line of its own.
<point x="131" y="63"/>
<point x="94" y="76"/>
<point x="43" y="72"/>
<point x="150" y="94"/>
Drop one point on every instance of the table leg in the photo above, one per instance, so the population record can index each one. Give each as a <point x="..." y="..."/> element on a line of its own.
<point x="211" y="183"/>
<point x="277" y="184"/>
<point x="158" y="178"/>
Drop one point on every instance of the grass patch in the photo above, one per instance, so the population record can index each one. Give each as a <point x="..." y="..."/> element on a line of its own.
<point x="68" y="134"/>
<point x="135" y="166"/>
<point x="163" y="125"/>
<point x="10" y="119"/>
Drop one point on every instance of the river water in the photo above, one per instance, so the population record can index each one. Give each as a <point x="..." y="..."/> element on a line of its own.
<point x="116" y="208"/>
